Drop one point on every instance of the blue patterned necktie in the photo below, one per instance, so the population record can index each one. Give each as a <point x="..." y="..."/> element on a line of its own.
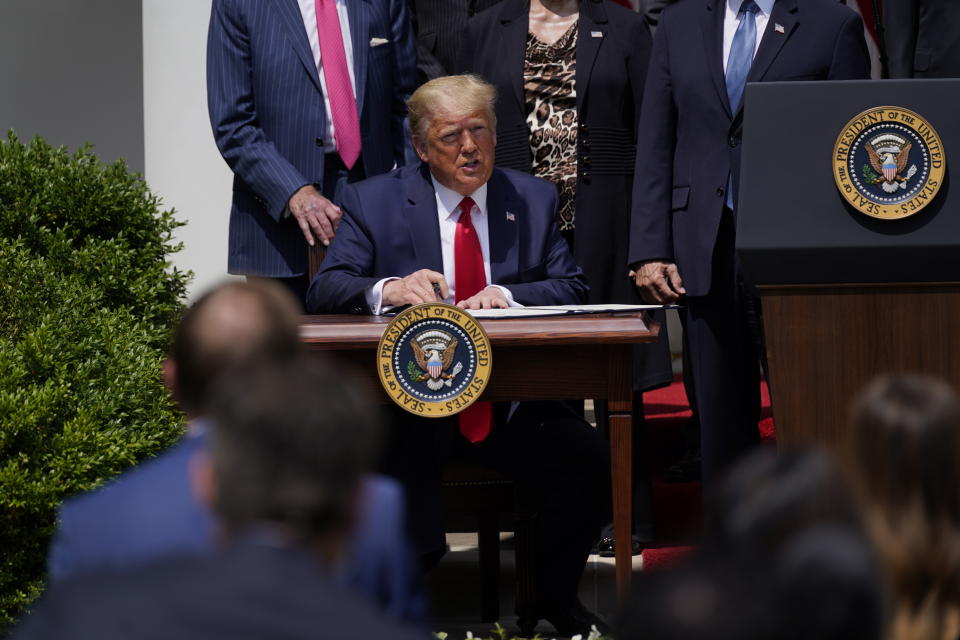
<point x="741" y="53"/>
<point x="738" y="65"/>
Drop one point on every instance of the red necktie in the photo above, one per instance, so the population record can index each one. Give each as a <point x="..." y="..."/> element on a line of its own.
<point x="343" y="104"/>
<point x="470" y="279"/>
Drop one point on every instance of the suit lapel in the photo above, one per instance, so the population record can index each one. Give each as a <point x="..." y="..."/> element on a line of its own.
<point x="593" y="19"/>
<point x="514" y="24"/>
<point x="289" y="11"/>
<point x="503" y="225"/>
<point x="359" y="17"/>
<point x="711" y="25"/>
<point x="784" y="14"/>
<point x="420" y="210"/>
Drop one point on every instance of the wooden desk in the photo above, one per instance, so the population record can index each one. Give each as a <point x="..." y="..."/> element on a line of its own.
<point x="533" y="359"/>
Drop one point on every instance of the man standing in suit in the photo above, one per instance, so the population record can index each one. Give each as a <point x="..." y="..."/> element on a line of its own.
<point x="438" y="25"/>
<point x="284" y="481"/>
<point x="688" y="173"/>
<point x="304" y="95"/>
<point x="150" y="511"/>
<point x="458" y="230"/>
<point x="922" y="38"/>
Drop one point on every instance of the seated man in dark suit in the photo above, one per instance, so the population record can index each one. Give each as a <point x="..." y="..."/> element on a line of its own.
<point x="284" y="481"/>
<point x="479" y="237"/>
<point x="150" y="511"/>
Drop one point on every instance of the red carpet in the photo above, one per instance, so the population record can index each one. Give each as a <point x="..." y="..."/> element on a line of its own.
<point x="668" y="404"/>
<point x="678" y="506"/>
<point x="664" y="557"/>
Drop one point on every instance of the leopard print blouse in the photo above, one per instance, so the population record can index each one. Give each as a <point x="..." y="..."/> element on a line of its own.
<point x="550" y="94"/>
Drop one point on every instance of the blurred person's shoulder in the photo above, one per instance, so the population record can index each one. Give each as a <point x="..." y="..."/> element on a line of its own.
<point x="247" y="590"/>
<point x="155" y="492"/>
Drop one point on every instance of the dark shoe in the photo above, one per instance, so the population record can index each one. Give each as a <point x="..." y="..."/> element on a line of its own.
<point x="575" y="620"/>
<point x="606" y="548"/>
<point x="687" y="469"/>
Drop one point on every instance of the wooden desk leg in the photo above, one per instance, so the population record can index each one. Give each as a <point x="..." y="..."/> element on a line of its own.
<point x="620" y="407"/>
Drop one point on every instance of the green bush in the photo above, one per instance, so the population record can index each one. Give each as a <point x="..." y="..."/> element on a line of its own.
<point x="87" y="302"/>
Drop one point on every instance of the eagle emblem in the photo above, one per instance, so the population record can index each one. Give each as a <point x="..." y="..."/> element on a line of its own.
<point x="433" y="352"/>
<point x="888" y="154"/>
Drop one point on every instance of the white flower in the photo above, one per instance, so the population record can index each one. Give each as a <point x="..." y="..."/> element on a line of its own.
<point x="469" y="635"/>
<point x="594" y="633"/>
<point x="577" y="637"/>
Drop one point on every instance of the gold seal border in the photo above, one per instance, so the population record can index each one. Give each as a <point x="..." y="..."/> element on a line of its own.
<point x="920" y="126"/>
<point x="405" y="322"/>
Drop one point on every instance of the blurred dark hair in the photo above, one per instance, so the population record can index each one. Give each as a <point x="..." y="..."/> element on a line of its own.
<point x="905" y="462"/>
<point x="823" y="585"/>
<point x="769" y="496"/>
<point x="226" y="326"/>
<point x="290" y="441"/>
<point x="785" y="557"/>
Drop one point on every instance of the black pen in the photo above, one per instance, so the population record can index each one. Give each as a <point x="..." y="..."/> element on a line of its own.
<point x="436" y="292"/>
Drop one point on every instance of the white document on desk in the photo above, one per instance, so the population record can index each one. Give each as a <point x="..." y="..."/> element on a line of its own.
<point x="600" y="308"/>
<point x="515" y="312"/>
<point x="561" y="310"/>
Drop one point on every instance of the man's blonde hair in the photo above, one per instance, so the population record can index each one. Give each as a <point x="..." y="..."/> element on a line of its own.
<point x="450" y="95"/>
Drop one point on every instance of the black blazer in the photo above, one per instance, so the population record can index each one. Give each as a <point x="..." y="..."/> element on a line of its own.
<point x="613" y="50"/>
<point x="651" y="10"/>
<point x="438" y="25"/>
<point x="922" y="38"/>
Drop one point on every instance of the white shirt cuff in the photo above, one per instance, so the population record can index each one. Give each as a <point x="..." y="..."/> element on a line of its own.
<point x="374" y="296"/>
<point x="506" y="294"/>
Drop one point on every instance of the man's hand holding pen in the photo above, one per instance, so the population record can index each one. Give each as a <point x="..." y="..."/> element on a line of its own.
<point x="430" y="286"/>
<point x="418" y="287"/>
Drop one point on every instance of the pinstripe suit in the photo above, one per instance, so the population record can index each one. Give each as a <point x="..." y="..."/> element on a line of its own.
<point x="267" y="112"/>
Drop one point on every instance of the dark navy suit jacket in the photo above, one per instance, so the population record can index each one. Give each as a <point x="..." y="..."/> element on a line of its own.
<point x="689" y="139"/>
<point x="151" y="512"/>
<point x="256" y="588"/>
<point x="267" y="112"/>
<point x="390" y="228"/>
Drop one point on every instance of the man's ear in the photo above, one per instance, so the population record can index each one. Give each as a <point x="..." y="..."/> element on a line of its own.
<point x="169" y="372"/>
<point x="419" y="147"/>
<point x="202" y="481"/>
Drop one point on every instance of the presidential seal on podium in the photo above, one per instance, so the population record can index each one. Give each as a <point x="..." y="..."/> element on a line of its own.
<point x="434" y="360"/>
<point x="889" y="163"/>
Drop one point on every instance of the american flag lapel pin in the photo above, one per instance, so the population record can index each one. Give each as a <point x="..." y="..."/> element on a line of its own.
<point x="511" y="217"/>
<point x="596" y="34"/>
<point x="778" y="27"/>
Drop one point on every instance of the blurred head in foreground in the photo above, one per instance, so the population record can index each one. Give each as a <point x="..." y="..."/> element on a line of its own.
<point x="785" y="558"/>
<point x="227" y="326"/>
<point x="905" y="463"/>
<point x="289" y="443"/>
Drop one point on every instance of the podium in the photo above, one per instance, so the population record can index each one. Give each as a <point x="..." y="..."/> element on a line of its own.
<point x="846" y="295"/>
<point x="549" y="358"/>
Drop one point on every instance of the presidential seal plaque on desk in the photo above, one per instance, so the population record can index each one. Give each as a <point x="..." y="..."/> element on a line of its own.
<point x="434" y="360"/>
<point x="889" y="163"/>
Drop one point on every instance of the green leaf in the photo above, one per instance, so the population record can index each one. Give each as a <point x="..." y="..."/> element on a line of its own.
<point x="87" y="302"/>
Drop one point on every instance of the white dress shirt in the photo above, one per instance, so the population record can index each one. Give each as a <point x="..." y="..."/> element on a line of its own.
<point x="448" y="214"/>
<point x="308" y="10"/>
<point x="731" y="20"/>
